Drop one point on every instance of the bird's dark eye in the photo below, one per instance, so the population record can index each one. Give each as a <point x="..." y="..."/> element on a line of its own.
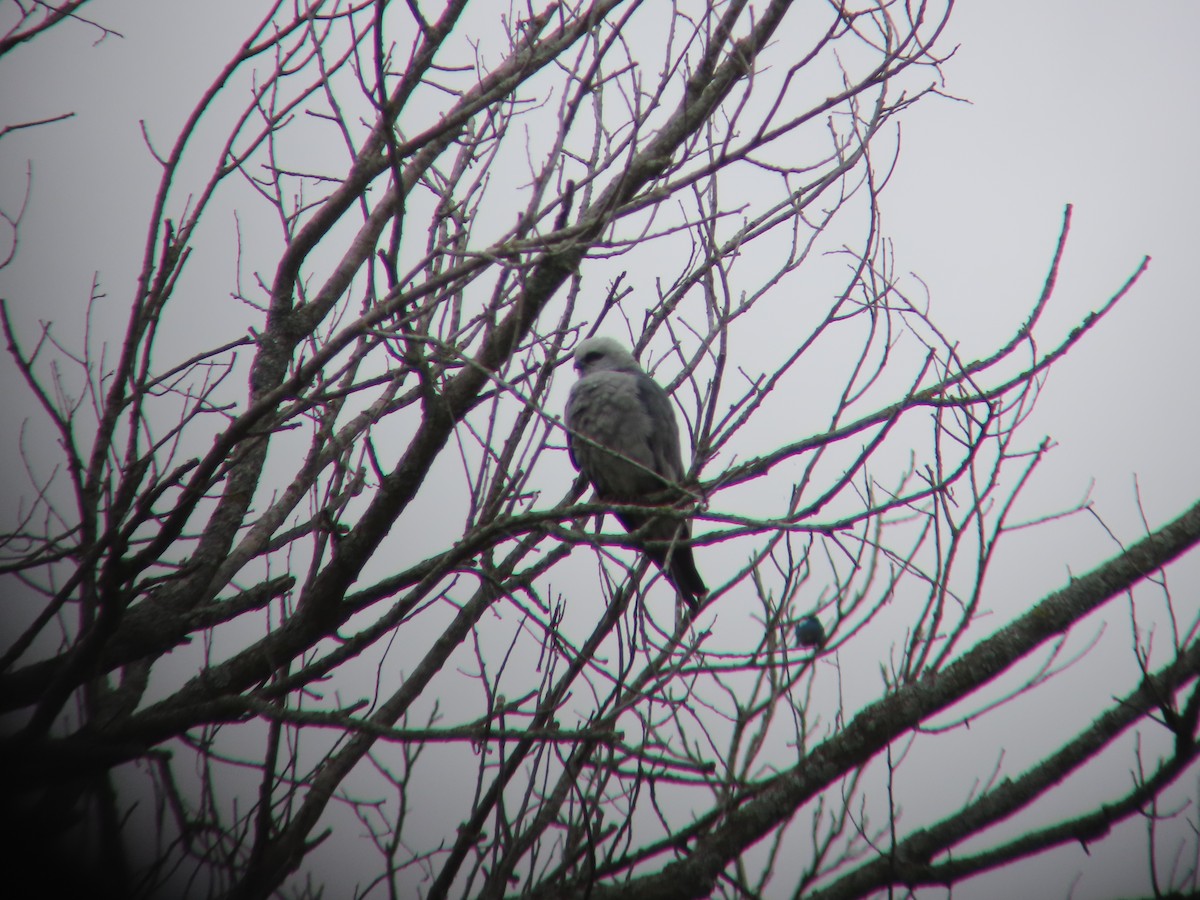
<point x="591" y="357"/>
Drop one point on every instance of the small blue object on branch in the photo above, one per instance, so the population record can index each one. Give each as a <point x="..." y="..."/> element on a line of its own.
<point x="809" y="632"/>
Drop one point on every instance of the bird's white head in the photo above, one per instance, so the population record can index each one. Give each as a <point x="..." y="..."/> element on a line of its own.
<point x="597" y="354"/>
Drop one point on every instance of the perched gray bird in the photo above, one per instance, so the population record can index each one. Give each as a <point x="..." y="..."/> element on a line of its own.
<point x="615" y="405"/>
<point x="809" y="632"/>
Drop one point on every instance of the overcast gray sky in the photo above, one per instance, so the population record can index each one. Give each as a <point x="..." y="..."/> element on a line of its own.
<point x="1089" y="103"/>
<point x="1092" y="104"/>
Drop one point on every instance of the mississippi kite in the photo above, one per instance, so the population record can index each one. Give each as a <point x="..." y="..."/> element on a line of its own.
<point x="621" y="434"/>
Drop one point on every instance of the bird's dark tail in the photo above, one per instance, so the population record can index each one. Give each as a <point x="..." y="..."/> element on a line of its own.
<point x="686" y="577"/>
<point x="679" y="565"/>
<point x="675" y="559"/>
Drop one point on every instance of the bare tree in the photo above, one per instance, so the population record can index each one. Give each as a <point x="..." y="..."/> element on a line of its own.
<point x="309" y="571"/>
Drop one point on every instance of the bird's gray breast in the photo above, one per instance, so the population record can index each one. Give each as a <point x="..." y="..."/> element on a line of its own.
<point x="609" y="409"/>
